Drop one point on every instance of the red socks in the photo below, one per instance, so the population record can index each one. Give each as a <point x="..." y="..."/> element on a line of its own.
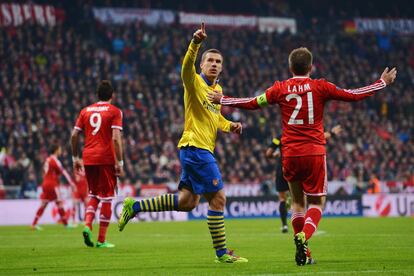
<point x="90" y="211"/>
<point x="39" y="213"/>
<point x="104" y="219"/>
<point x="312" y="218"/>
<point x="298" y="220"/>
<point x="62" y="214"/>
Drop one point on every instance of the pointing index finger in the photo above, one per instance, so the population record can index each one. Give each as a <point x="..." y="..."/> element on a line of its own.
<point x="203" y="27"/>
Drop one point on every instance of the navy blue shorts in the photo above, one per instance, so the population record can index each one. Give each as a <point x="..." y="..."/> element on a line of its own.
<point x="281" y="183"/>
<point x="200" y="173"/>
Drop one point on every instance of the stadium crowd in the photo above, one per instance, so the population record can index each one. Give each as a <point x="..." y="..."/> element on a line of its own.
<point x="50" y="73"/>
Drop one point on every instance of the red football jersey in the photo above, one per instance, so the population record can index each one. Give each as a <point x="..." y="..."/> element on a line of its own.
<point x="302" y="101"/>
<point x="97" y="122"/>
<point x="53" y="169"/>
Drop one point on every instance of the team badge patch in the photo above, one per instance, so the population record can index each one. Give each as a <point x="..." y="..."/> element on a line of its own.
<point x="215" y="182"/>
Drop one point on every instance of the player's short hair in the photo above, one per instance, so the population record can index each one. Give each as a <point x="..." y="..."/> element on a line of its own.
<point x="300" y="61"/>
<point x="214" y="51"/>
<point x="53" y="148"/>
<point x="105" y="90"/>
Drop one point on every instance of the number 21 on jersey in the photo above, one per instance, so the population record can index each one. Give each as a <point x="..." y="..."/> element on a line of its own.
<point x="95" y="121"/>
<point x="293" y="120"/>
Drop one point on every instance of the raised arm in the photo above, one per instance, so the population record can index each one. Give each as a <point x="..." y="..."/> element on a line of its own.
<point x="351" y="95"/>
<point x="243" y="103"/>
<point x="188" y="71"/>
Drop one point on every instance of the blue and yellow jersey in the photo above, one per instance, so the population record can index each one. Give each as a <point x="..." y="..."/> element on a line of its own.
<point x="202" y="118"/>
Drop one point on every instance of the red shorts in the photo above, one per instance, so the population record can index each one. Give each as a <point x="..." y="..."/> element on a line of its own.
<point x="50" y="192"/>
<point x="101" y="180"/>
<point x="80" y="194"/>
<point x="309" y="170"/>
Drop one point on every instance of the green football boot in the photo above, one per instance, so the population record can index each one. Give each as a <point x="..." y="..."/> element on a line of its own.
<point x="37" y="227"/>
<point x="230" y="258"/>
<point x="87" y="237"/>
<point x="104" y="244"/>
<point x="301" y="248"/>
<point x="127" y="213"/>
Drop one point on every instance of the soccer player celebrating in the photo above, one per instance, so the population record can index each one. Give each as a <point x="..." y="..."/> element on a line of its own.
<point x="52" y="169"/>
<point x="200" y="173"/>
<point x="81" y="193"/>
<point x="302" y="100"/>
<point x="282" y="187"/>
<point x="101" y="123"/>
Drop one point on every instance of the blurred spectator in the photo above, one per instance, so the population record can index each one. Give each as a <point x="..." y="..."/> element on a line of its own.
<point x="29" y="187"/>
<point x="126" y="189"/>
<point x="2" y="189"/>
<point x="374" y="185"/>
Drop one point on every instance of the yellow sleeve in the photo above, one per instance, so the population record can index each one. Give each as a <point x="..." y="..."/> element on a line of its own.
<point x="188" y="71"/>
<point x="224" y="124"/>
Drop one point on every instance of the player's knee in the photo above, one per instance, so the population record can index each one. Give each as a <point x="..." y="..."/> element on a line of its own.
<point x="188" y="206"/>
<point x="218" y="202"/>
<point x="282" y="196"/>
<point x="316" y="200"/>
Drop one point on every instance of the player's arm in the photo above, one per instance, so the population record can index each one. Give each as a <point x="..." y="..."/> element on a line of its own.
<point x="272" y="150"/>
<point x="188" y="71"/>
<point x="65" y="174"/>
<point x="333" y="132"/>
<point x="269" y="97"/>
<point x="228" y="126"/>
<point x="74" y="142"/>
<point x="350" y="95"/>
<point x="117" y="141"/>
<point x="243" y="103"/>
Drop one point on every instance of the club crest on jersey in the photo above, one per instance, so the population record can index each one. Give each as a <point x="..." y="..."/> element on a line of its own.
<point x="215" y="182"/>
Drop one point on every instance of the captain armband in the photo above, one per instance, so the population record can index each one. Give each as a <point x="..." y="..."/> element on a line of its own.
<point x="262" y="100"/>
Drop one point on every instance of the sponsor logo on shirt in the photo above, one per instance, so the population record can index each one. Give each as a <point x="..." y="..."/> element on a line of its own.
<point x="211" y="107"/>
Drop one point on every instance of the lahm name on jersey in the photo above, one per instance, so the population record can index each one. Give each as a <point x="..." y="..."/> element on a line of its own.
<point x="298" y="88"/>
<point x="97" y="108"/>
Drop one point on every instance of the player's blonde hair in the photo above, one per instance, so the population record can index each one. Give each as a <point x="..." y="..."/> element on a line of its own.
<point x="214" y="51"/>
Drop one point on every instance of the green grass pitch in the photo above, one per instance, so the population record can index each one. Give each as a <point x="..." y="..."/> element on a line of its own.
<point x="343" y="246"/>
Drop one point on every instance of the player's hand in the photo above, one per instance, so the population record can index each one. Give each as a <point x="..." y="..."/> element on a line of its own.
<point x="276" y="153"/>
<point x="200" y="34"/>
<point x="214" y="97"/>
<point x="336" y="130"/>
<point x="119" y="170"/>
<point x="236" y="128"/>
<point x="389" y="75"/>
<point x="77" y="165"/>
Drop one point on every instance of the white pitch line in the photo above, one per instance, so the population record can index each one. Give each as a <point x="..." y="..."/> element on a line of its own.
<point x="319" y="232"/>
<point x="355" y="272"/>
